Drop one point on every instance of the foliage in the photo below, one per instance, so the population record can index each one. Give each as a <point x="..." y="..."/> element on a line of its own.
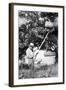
<point x="33" y="30"/>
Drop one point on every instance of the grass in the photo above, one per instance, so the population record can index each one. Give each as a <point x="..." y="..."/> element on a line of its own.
<point x="26" y="71"/>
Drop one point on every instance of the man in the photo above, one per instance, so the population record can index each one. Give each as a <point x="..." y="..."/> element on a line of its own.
<point x="29" y="54"/>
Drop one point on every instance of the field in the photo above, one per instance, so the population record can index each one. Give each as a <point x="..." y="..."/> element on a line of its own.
<point x="26" y="72"/>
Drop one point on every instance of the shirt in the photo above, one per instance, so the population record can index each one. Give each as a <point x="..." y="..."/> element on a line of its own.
<point x="29" y="53"/>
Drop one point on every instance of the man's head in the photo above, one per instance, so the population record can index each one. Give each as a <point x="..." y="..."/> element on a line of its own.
<point x="31" y="45"/>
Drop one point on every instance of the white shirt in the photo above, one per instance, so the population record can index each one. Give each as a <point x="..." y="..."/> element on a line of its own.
<point x="29" y="53"/>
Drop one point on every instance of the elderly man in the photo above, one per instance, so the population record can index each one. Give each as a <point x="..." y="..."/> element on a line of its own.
<point x="29" y="54"/>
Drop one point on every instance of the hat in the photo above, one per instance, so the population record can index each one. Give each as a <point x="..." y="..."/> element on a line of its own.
<point x="31" y="44"/>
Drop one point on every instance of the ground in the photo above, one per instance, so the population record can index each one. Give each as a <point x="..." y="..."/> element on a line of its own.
<point x="42" y="72"/>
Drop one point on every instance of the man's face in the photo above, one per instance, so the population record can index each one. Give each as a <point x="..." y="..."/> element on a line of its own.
<point x="31" y="47"/>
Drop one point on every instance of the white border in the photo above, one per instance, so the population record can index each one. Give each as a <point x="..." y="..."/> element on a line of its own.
<point x="60" y="45"/>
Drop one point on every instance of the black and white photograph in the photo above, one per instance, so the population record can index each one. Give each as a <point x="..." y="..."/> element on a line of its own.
<point x="36" y="44"/>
